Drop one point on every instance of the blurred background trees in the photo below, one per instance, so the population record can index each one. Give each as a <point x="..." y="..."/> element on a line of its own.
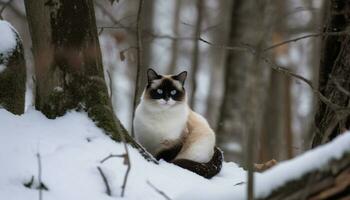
<point x="216" y="42"/>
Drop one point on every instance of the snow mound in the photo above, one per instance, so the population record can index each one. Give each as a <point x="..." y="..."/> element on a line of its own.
<point x="8" y="37"/>
<point x="71" y="148"/>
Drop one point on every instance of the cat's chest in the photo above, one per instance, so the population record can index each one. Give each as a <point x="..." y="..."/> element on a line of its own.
<point x="160" y="125"/>
<point x="166" y="125"/>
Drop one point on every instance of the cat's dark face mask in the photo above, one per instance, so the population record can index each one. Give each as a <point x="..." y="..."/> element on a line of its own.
<point x="167" y="90"/>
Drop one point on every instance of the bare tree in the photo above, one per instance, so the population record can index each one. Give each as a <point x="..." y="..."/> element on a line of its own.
<point x="175" y="43"/>
<point x="276" y="131"/>
<point x="334" y="72"/>
<point x="232" y="120"/>
<point x="196" y="51"/>
<point x="219" y="35"/>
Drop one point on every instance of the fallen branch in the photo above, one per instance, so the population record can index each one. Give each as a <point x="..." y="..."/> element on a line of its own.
<point x="332" y="181"/>
<point x="126" y="162"/>
<point x="158" y="190"/>
<point x="112" y="156"/>
<point x="108" y="190"/>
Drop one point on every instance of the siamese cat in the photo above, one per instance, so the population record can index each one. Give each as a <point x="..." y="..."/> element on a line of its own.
<point x="166" y="126"/>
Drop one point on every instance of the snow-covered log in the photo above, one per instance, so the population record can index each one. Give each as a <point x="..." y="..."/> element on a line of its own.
<point x="323" y="173"/>
<point x="12" y="69"/>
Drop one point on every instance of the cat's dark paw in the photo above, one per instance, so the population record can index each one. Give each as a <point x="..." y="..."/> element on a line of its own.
<point x="169" y="154"/>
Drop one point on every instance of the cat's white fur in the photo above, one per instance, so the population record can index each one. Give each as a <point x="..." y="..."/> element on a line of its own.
<point x="158" y="125"/>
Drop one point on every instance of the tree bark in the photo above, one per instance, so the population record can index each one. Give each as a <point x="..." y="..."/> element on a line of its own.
<point x="13" y="77"/>
<point x="334" y="82"/>
<point x="68" y="65"/>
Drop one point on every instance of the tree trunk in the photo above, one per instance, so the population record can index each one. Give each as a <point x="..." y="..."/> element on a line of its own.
<point x="196" y="51"/>
<point x="334" y="82"/>
<point x="276" y="131"/>
<point x="68" y="65"/>
<point x="12" y="73"/>
<point x="232" y="123"/>
<point x="175" y="43"/>
<point x="219" y="35"/>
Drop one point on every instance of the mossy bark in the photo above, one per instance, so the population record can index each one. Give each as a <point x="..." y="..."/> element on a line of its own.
<point x="68" y="65"/>
<point x="13" y="79"/>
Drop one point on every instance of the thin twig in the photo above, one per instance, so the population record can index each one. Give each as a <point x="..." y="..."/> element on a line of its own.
<point x="110" y="85"/>
<point x="110" y="16"/>
<point x="139" y="62"/>
<point x="158" y="190"/>
<point x="284" y="70"/>
<point x="339" y="87"/>
<point x="39" y="176"/>
<point x="127" y="162"/>
<point x="112" y="156"/>
<point x="305" y="37"/>
<point x="108" y="189"/>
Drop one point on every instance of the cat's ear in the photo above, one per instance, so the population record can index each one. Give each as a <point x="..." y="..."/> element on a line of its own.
<point x="181" y="77"/>
<point x="152" y="75"/>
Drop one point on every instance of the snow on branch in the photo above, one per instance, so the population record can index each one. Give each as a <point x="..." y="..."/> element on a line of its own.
<point x="316" y="171"/>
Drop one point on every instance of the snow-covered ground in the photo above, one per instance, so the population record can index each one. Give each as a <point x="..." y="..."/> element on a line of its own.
<point x="71" y="148"/>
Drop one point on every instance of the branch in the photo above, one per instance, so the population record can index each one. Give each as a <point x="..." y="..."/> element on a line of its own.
<point x="108" y="190"/>
<point x="139" y="62"/>
<point x="112" y="156"/>
<point x="339" y="87"/>
<point x="126" y="162"/>
<point x="158" y="190"/>
<point x="110" y="85"/>
<point x="110" y="16"/>
<point x="39" y="176"/>
<point x="305" y="37"/>
<point x="248" y="48"/>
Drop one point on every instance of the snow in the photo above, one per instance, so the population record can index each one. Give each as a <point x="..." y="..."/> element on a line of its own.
<point x="8" y="37"/>
<point x="2" y="68"/>
<point x="7" y="42"/>
<point x="71" y="148"/>
<point x="69" y="163"/>
<point x="297" y="167"/>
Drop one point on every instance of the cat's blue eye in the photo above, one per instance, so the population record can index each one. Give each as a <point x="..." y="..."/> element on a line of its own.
<point x="159" y="91"/>
<point x="173" y="92"/>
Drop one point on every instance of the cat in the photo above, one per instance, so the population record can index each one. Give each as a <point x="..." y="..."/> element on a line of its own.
<point x="166" y="126"/>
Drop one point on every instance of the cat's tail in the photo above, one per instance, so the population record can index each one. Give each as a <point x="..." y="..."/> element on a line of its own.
<point x="207" y="170"/>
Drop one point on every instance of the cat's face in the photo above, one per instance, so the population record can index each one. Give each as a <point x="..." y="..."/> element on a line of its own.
<point x="165" y="90"/>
